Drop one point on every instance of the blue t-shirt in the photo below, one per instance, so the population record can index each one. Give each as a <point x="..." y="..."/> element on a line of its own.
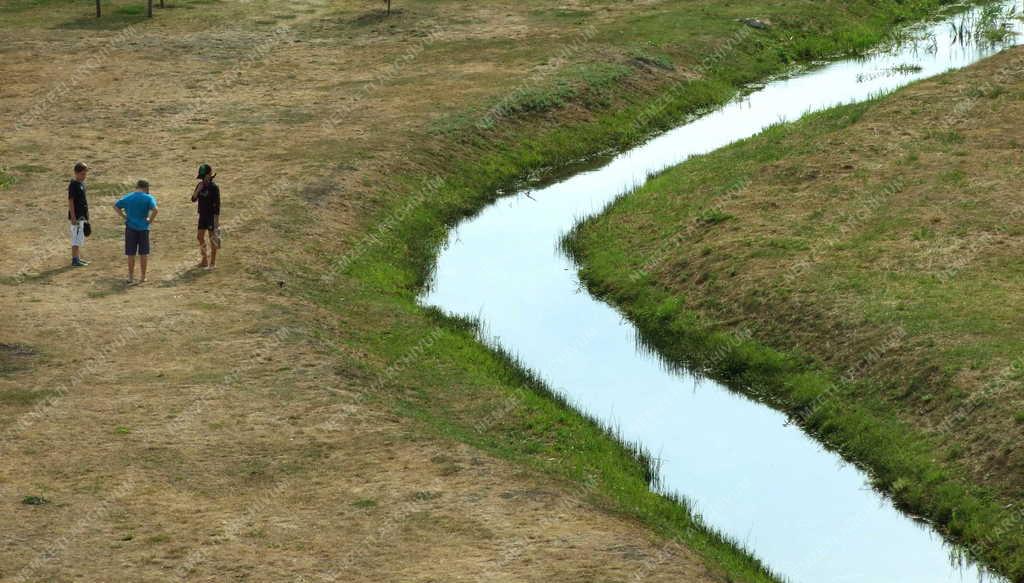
<point x="136" y="206"/>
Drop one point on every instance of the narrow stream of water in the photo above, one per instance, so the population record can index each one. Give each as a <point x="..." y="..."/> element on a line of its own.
<point x="801" y="509"/>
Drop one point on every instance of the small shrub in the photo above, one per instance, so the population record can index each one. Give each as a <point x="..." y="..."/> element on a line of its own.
<point x="954" y="177"/>
<point x="946" y="137"/>
<point x="645" y="58"/>
<point x="900" y="485"/>
<point x="710" y="217"/>
<point x="922" y="234"/>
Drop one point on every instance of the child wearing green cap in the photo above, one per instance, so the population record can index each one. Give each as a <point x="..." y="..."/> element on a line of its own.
<point x="207" y="195"/>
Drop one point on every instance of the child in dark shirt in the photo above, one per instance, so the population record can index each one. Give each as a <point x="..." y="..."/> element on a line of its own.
<point x="207" y="195"/>
<point x="78" y="213"/>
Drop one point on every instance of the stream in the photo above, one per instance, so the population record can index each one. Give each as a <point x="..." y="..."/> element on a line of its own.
<point x="807" y="514"/>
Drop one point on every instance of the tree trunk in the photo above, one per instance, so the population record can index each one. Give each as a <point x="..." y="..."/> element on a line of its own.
<point x="389" y="6"/>
<point x="149" y="8"/>
<point x="97" y="8"/>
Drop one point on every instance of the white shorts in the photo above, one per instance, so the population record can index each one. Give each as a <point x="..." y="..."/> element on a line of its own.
<point x="77" y="234"/>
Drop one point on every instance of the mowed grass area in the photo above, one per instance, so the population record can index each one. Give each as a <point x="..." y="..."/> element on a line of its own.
<point x="346" y="145"/>
<point x="861" y="270"/>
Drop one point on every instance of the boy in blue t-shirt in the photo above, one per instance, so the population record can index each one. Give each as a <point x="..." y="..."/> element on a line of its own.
<point x="138" y="209"/>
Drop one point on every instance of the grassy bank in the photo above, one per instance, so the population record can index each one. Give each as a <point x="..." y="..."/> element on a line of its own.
<point x="859" y="270"/>
<point x="463" y="165"/>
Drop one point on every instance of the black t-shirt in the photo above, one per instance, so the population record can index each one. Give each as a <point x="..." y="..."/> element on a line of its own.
<point x="76" y="192"/>
<point x="209" y="199"/>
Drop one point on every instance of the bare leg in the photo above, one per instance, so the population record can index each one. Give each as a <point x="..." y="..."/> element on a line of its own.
<point x="143" y="259"/>
<point x="131" y="268"/>
<point x="74" y="251"/>
<point x="201" y="237"/>
<point x="213" y="252"/>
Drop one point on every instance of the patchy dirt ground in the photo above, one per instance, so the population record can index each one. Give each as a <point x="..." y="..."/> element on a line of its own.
<point x="194" y="426"/>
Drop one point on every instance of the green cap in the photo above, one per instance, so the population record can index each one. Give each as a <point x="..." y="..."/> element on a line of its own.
<point x="204" y="169"/>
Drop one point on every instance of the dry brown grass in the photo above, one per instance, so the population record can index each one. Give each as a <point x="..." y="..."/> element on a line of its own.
<point x="196" y="442"/>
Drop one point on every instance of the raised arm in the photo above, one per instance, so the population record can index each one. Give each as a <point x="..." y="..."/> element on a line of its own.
<point x="216" y="208"/>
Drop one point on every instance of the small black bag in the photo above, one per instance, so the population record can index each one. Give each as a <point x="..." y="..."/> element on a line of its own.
<point x="86" y="229"/>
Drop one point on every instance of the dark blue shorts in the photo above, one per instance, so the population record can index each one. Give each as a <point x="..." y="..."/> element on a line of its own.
<point x="205" y="222"/>
<point x="136" y="242"/>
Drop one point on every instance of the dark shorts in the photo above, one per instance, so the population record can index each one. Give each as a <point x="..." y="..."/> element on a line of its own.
<point x="205" y="222"/>
<point x="136" y="242"/>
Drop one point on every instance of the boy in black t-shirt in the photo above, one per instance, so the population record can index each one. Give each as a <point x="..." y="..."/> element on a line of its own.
<point x="78" y="213"/>
<point x="207" y="194"/>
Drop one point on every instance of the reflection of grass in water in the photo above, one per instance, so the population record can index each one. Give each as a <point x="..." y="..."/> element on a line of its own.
<point x="992" y="24"/>
<point x="998" y="34"/>
<point x="906" y="69"/>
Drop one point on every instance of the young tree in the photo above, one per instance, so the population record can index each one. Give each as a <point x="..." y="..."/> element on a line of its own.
<point x="149" y="8"/>
<point x="97" y="8"/>
<point x="389" y="6"/>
